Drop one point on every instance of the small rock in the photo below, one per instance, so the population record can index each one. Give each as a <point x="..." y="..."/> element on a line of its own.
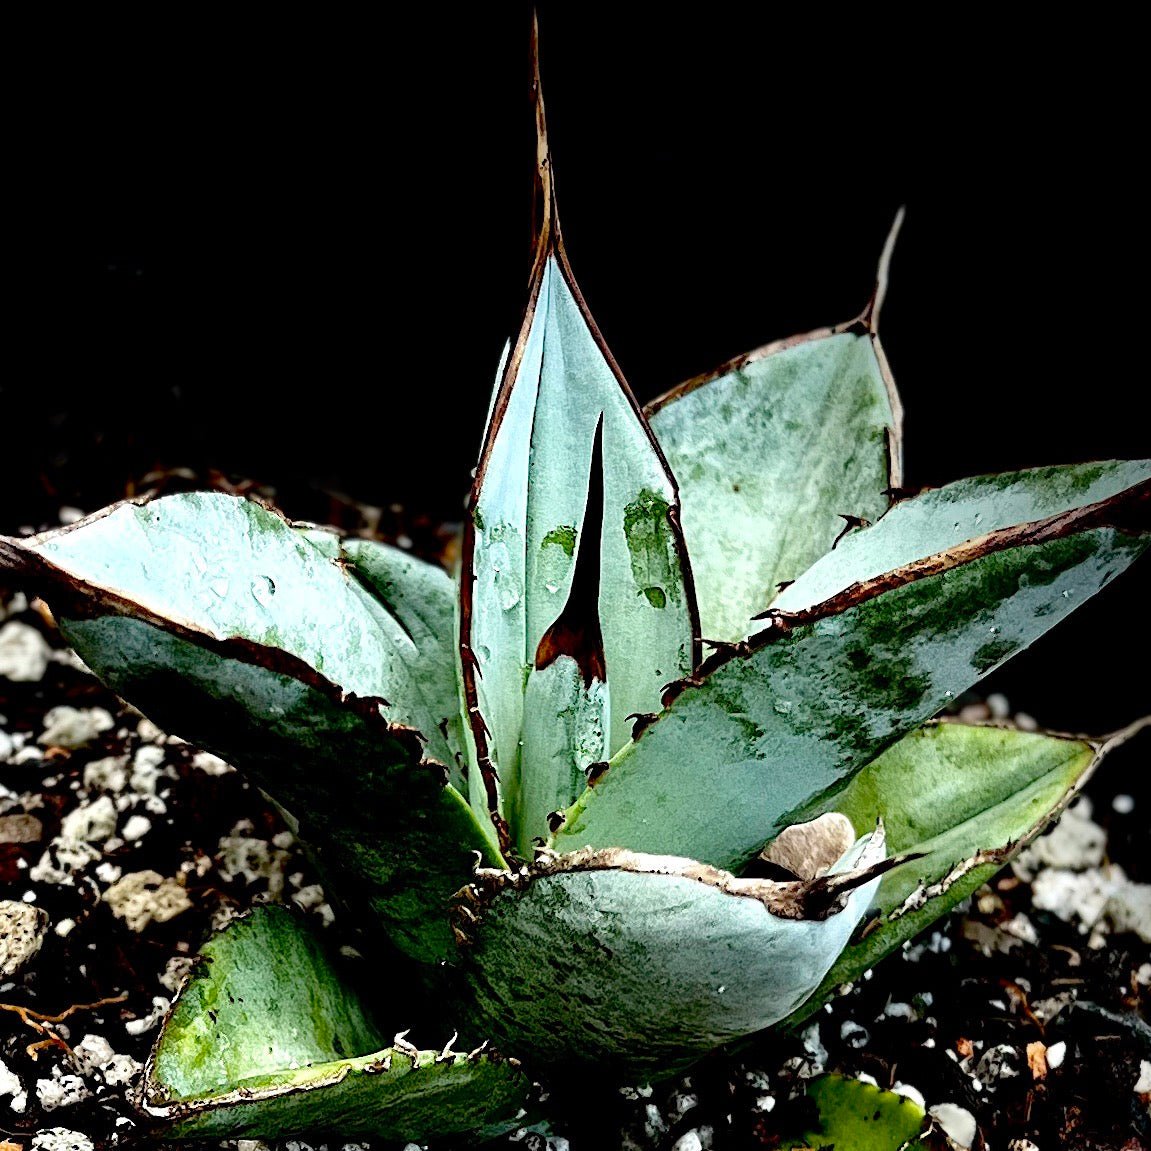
<point x="688" y="1141"/>
<point x="144" y="897"/>
<point x="24" y="653"/>
<point x="63" y="1091"/>
<point x="956" y="1122"/>
<point x="61" y="1139"/>
<point x="90" y="822"/>
<point x="243" y="857"/>
<point x="144" y="1023"/>
<point x="91" y="1052"/>
<point x="1056" y="1053"/>
<point x="147" y="769"/>
<point x="1076" y="842"/>
<point x="998" y="1062"/>
<point x="1143" y="1083"/>
<point x="121" y="1070"/>
<point x="136" y="828"/>
<point x="909" y="1092"/>
<point x="10" y="1085"/>
<point x="20" y="828"/>
<point x="22" y="930"/>
<point x="107" y="774"/>
<point x="73" y="727"/>
<point x="211" y="764"/>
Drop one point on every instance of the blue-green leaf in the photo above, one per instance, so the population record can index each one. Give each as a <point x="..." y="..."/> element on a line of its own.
<point x="267" y="1039"/>
<point x="940" y="518"/>
<point x="771" y="452"/>
<point x="636" y="963"/>
<point x="232" y="629"/>
<point x="966" y="800"/>
<point x="573" y="546"/>
<point x="763" y="736"/>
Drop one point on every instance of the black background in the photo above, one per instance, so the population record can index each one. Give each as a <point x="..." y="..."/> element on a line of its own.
<point x="292" y="250"/>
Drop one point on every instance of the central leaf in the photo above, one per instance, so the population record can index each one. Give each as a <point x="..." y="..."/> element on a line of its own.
<point x="577" y="605"/>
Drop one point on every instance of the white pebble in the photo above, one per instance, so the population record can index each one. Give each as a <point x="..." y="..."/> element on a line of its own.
<point x="143" y="897"/>
<point x="1076" y="842"/>
<point x="10" y="1085"/>
<point x="1123" y="804"/>
<point x="688" y="1141"/>
<point x="23" y="653"/>
<point x="121" y="1070"/>
<point x="91" y="1052"/>
<point x="73" y="727"/>
<point x="211" y="764"/>
<point x="1143" y="1083"/>
<point x="65" y="927"/>
<point x="90" y="822"/>
<point x="160" y="1007"/>
<point x="956" y="1122"/>
<point x="136" y="828"/>
<point x="998" y="706"/>
<point x="149" y="732"/>
<point x="66" y="1091"/>
<point x="61" y="1139"/>
<point x="22" y="930"/>
<point x="107" y="774"/>
<point x="912" y="1093"/>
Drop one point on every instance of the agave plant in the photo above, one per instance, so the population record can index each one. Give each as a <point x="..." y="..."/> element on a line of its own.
<point x="655" y="770"/>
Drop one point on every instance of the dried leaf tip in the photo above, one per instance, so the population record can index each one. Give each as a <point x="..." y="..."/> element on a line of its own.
<point x="870" y="317"/>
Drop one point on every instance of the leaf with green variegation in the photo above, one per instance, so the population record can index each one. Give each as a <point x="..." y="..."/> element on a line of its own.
<point x="233" y="655"/>
<point x="762" y="736"/>
<point x="395" y="840"/>
<point x="638" y="963"/>
<point x="936" y="520"/>
<point x="266" y="1039"/>
<point x="771" y="451"/>
<point x="967" y="800"/>
<point x="421" y="597"/>
<point x="857" y="1116"/>
<point x="585" y="560"/>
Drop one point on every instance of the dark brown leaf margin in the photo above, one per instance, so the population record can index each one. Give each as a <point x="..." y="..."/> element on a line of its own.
<point x="997" y="857"/>
<point x="548" y="242"/>
<point x="1129" y="512"/>
<point x="82" y="599"/>
<point x="801" y="899"/>
<point x="865" y="324"/>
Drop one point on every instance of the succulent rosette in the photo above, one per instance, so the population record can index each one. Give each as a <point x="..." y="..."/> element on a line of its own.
<point x="659" y="767"/>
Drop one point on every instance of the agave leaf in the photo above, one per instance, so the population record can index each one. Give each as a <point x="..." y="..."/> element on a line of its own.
<point x="266" y="1039"/>
<point x="939" y="518"/>
<point x="859" y="1116"/>
<point x="967" y="800"/>
<point x="395" y="839"/>
<point x="600" y="503"/>
<point x="636" y="963"/>
<point x="236" y="572"/>
<point x="765" y="734"/>
<point x="771" y="451"/>
<point x="244" y="671"/>
<point x="421" y="597"/>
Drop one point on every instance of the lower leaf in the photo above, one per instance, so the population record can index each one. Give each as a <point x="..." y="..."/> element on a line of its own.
<point x="267" y="1040"/>
<point x="639" y="963"/>
<point x="968" y="798"/>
